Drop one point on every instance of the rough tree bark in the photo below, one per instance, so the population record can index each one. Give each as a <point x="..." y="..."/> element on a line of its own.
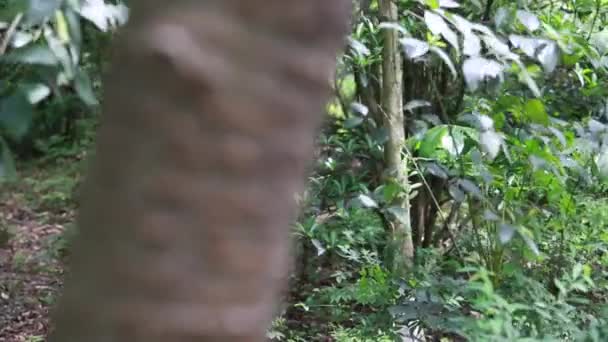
<point x="392" y="104"/>
<point x="209" y="116"/>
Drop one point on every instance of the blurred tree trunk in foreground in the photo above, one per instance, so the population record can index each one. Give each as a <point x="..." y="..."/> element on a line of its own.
<point x="210" y="112"/>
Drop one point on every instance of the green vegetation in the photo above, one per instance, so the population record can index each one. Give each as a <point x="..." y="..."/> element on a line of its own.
<point x="503" y="181"/>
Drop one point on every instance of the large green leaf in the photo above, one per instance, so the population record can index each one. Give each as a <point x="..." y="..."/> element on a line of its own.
<point x="437" y="138"/>
<point x="16" y="113"/>
<point x="84" y="88"/>
<point x="535" y="112"/>
<point x="432" y="141"/>
<point x="32" y="54"/>
<point x="38" y="10"/>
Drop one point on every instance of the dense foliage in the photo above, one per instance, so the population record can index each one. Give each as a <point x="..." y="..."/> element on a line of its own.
<point x="506" y="118"/>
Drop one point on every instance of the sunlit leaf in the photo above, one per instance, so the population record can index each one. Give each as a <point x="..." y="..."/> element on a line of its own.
<point x="433" y="4"/>
<point x="549" y="57"/>
<point x="596" y="127"/>
<point x="526" y="44"/>
<point x="448" y="4"/>
<point x="439" y="27"/>
<point x="501" y="17"/>
<point x="506" y="232"/>
<point x="63" y="31"/>
<point x="393" y="26"/>
<point x="415" y="104"/>
<point x="529" y="20"/>
<point x="545" y="51"/>
<point x="359" y="47"/>
<point x="600" y="41"/>
<point x="497" y="47"/>
<point x="453" y="145"/>
<point x="490" y="143"/>
<point x="478" y="69"/>
<point x="602" y="165"/>
<point x="471" y="45"/>
<point x="359" y="108"/>
<point x="319" y="247"/>
<point x="21" y="39"/>
<point x="367" y="201"/>
<point x="461" y="24"/>
<point x="104" y="15"/>
<point x="485" y="122"/>
<point x="414" y="48"/>
<point x="36" y="92"/>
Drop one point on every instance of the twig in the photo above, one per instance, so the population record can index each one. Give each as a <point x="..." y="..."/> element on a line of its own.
<point x="598" y="4"/>
<point x="9" y="33"/>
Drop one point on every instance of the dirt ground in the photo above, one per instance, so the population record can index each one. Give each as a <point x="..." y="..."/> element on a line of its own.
<point x="30" y="272"/>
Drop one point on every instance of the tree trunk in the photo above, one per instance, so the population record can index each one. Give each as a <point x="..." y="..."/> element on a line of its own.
<point x="209" y="116"/>
<point x="392" y="103"/>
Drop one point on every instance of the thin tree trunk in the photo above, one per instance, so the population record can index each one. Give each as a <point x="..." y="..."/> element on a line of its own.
<point x="209" y="116"/>
<point x="392" y="103"/>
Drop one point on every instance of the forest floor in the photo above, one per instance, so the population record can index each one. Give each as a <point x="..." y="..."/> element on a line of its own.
<point x="31" y="266"/>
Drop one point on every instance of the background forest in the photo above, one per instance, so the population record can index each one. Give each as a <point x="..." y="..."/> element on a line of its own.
<point x="460" y="184"/>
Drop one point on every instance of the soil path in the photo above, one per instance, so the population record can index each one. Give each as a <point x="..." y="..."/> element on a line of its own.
<point x="30" y="266"/>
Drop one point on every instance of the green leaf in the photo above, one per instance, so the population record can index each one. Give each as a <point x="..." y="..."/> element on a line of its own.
<point x="456" y="193"/>
<point x="527" y="235"/>
<point x="84" y="88"/>
<point x="432" y="141"/>
<point x="506" y="232"/>
<point x="400" y="214"/>
<point x="104" y="15"/>
<point x="38" y="10"/>
<point x="32" y="54"/>
<point x="63" y="30"/>
<point x="439" y="27"/>
<point x="491" y="142"/>
<point x="535" y="112"/>
<point x="433" y="4"/>
<point x="353" y="122"/>
<point x="367" y="201"/>
<point x="16" y="113"/>
<point x="390" y="191"/>
<point x="470" y="188"/>
<point x="36" y="92"/>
